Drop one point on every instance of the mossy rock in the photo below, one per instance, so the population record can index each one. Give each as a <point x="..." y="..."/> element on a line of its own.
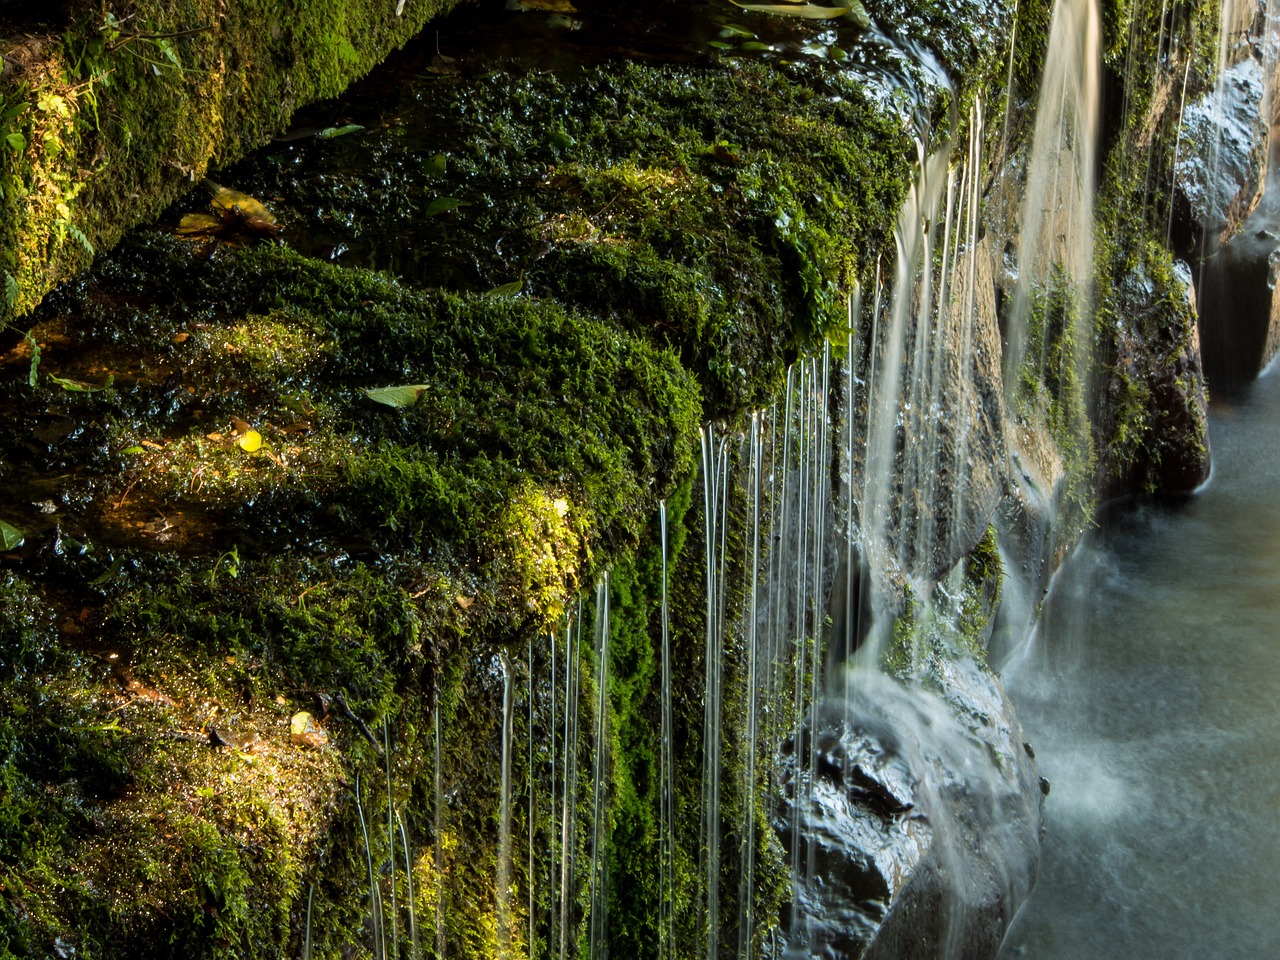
<point x="104" y="124"/>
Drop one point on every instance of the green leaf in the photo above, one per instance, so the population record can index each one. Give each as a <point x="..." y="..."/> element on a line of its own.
<point x="561" y="141"/>
<point x="17" y="142"/>
<point x="136" y="448"/>
<point x="75" y="386"/>
<point x="10" y="536"/>
<point x="328" y="133"/>
<point x="736" y="30"/>
<point x="77" y="235"/>
<point x="806" y="11"/>
<point x="507" y="291"/>
<point x="11" y="290"/>
<point x="404" y="396"/>
<point x="755" y="46"/>
<point x="719" y="45"/>
<point x="438" y="164"/>
<point x="444" y="205"/>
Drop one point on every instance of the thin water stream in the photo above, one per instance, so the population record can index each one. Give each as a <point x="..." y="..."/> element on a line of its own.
<point x="1150" y="692"/>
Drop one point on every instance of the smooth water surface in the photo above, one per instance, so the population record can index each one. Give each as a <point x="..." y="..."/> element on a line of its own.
<point x="1151" y="694"/>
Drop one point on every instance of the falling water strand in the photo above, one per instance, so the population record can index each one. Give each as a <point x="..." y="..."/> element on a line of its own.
<point x="849" y="640"/>
<point x="818" y="494"/>
<point x="599" y="892"/>
<point x="714" y="475"/>
<point x="772" y="627"/>
<point x="553" y="859"/>
<point x="391" y="842"/>
<point x="1008" y="83"/>
<point x="306" y="942"/>
<point x="375" y="918"/>
<point x="504" y="815"/>
<point x="885" y="417"/>
<point x="746" y="892"/>
<point x="666" y="893"/>
<point x="796" y="438"/>
<point x="1177" y="149"/>
<point x="529" y="779"/>
<point x="414" y="949"/>
<point x="438" y="853"/>
<point x="971" y="207"/>
<point x="568" y="834"/>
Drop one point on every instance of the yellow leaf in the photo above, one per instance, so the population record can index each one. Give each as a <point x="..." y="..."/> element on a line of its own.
<point x="304" y="730"/>
<point x="224" y="198"/>
<point x="251" y="442"/>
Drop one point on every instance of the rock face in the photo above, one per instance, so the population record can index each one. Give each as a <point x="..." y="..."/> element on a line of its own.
<point x="1222" y="181"/>
<point x="914" y="820"/>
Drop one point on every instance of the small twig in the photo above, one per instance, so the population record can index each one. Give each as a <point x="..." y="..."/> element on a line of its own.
<point x="126" y="39"/>
<point x="340" y="701"/>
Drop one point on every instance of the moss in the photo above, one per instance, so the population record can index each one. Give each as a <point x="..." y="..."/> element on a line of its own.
<point x="953" y="621"/>
<point x="1054" y="389"/>
<point x="138" y="99"/>
<point x="739" y="259"/>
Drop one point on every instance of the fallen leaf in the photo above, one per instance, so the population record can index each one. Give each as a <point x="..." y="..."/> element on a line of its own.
<point x="10" y="536"/>
<point x="304" y="730"/>
<point x="444" y="205"/>
<point x="507" y="291"/>
<point x="806" y="11"/>
<point x="404" y="396"/>
<point x="198" y="224"/>
<point x="550" y="6"/>
<point x="328" y="133"/>
<point x="233" y="201"/>
<point x="77" y="386"/>
<point x="465" y="602"/>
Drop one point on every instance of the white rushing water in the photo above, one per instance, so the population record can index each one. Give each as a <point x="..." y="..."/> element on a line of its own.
<point x="1150" y="693"/>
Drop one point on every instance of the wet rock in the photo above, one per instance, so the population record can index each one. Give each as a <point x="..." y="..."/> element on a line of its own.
<point x="914" y="818"/>
<point x="1219" y="168"/>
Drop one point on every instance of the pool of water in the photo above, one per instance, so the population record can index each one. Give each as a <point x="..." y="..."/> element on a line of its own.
<point x="1151" y="692"/>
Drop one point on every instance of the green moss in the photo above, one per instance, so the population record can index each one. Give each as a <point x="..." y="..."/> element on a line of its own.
<point x="953" y="621"/>
<point x="140" y="99"/>
<point x="739" y="259"/>
<point x="1054" y="390"/>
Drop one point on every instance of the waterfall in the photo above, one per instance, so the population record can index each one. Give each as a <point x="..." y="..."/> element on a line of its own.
<point x="1055" y="241"/>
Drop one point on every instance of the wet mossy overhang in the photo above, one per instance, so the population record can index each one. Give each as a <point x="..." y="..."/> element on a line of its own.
<point x="223" y="519"/>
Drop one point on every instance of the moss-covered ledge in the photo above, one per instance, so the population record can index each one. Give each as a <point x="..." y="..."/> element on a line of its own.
<point x="238" y="530"/>
<point x="103" y="125"/>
